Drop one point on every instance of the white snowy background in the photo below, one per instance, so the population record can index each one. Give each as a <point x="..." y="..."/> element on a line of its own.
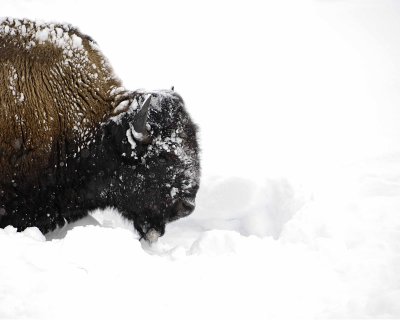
<point x="298" y="215"/>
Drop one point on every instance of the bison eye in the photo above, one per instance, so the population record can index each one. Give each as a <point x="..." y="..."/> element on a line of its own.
<point x="167" y="157"/>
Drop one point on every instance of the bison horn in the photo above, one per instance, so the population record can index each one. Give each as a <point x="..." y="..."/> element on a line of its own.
<point x="139" y="123"/>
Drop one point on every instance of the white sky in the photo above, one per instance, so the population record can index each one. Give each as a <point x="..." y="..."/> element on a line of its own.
<point x="288" y="88"/>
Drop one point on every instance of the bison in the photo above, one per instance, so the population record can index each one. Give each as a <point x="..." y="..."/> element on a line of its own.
<point x="73" y="139"/>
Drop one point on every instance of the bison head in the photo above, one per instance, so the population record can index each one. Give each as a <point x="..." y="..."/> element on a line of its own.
<point x="155" y="148"/>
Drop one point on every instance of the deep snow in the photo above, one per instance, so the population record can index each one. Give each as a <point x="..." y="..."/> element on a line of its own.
<point x="297" y="214"/>
<point x="251" y="250"/>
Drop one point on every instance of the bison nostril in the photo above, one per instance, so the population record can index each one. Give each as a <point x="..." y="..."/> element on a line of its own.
<point x="188" y="205"/>
<point x="184" y="208"/>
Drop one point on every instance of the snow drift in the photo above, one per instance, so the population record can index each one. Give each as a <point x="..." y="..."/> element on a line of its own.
<point x="331" y="254"/>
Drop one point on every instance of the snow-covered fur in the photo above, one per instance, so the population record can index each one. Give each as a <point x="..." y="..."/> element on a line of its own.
<point x="69" y="141"/>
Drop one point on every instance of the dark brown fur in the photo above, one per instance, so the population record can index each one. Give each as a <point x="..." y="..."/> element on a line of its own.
<point x="39" y="111"/>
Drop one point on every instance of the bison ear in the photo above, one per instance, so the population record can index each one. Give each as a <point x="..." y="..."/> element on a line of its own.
<point x="140" y="120"/>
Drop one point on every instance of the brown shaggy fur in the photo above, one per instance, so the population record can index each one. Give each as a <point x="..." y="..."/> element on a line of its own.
<point x="50" y="93"/>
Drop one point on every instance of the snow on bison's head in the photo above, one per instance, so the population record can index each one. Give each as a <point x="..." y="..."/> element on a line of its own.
<point x="157" y="156"/>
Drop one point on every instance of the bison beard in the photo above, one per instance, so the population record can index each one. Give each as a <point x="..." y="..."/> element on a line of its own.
<point x="73" y="139"/>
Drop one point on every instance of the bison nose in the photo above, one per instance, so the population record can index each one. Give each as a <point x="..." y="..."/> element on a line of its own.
<point x="184" y="207"/>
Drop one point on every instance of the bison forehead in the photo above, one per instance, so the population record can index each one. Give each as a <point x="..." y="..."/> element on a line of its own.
<point x="186" y="162"/>
<point x="170" y="123"/>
